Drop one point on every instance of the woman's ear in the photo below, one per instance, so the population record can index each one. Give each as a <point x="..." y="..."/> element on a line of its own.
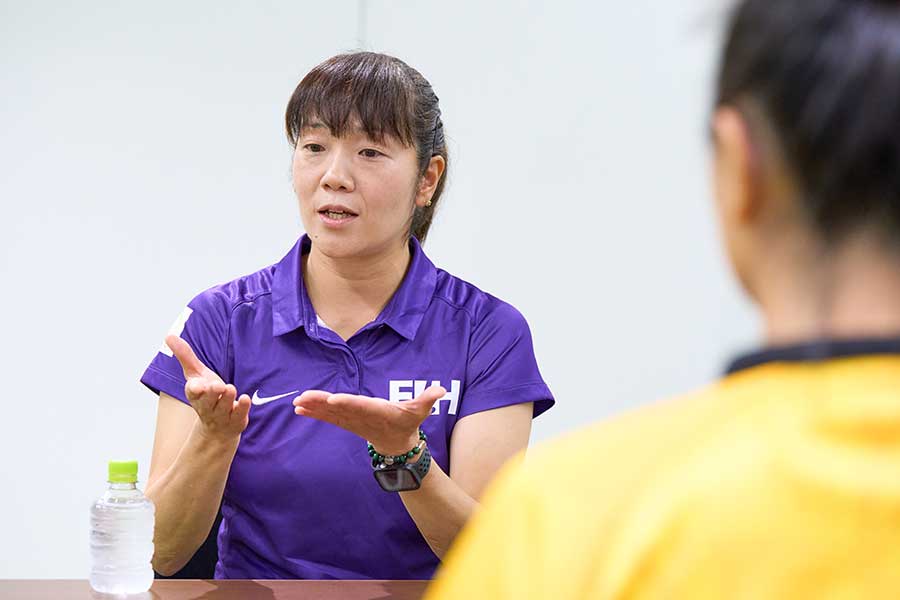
<point x="736" y="174"/>
<point x="429" y="180"/>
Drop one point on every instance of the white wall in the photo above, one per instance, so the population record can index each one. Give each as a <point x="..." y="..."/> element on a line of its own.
<point x="143" y="160"/>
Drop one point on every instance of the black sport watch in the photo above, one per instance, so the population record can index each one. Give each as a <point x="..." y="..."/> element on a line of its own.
<point x="403" y="476"/>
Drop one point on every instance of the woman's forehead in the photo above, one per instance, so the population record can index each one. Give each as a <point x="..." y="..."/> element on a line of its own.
<point x="353" y="129"/>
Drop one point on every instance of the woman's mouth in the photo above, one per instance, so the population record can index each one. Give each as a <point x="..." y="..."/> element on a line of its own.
<point x="336" y="216"/>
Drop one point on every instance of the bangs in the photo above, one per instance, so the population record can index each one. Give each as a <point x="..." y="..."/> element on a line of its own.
<point x="363" y="89"/>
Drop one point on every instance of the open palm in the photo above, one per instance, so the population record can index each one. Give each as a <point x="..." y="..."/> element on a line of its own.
<point x="222" y="413"/>
<point x="392" y="427"/>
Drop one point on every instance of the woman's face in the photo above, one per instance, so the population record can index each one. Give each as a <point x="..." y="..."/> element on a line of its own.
<point x="356" y="195"/>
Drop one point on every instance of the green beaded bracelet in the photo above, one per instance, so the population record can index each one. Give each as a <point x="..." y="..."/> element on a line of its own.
<point x="378" y="459"/>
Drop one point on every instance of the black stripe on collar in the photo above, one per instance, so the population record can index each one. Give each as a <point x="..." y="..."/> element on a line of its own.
<point x="813" y="351"/>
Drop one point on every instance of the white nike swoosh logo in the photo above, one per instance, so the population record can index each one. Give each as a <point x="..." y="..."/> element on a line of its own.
<point x="257" y="399"/>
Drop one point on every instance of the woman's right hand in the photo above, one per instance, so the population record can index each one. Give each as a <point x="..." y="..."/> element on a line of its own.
<point x="223" y="416"/>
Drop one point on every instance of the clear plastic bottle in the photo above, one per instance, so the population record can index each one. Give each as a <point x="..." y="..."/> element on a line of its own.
<point x="122" y="534"/>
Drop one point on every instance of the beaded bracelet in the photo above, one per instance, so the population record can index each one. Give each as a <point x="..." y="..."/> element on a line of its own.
<point x="378" y="459"/>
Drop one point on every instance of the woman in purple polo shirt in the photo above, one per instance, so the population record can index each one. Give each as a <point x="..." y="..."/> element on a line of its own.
<point x="270" y="386"/>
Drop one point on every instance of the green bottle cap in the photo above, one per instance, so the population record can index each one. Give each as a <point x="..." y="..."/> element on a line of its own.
<point x="123" y="471"/>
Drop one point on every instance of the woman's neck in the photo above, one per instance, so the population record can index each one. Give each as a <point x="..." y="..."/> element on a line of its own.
<point x="855" y="293"/>
<point x="348" y="293"/>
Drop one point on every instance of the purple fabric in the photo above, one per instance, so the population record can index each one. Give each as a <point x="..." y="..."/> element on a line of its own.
<point x="301" y="501"/>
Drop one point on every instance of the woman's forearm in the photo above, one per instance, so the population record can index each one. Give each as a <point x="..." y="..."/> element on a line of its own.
<point x="440" y="509"/>
<point x="187" y="498"/>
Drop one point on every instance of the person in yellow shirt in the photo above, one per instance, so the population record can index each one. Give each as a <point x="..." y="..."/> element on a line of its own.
<point x="782" y="479"/>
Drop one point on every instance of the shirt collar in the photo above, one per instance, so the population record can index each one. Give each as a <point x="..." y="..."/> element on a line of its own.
<point x="814" y="351"/>
<point x="288" y="310"/>
<point x="292" y="309"/>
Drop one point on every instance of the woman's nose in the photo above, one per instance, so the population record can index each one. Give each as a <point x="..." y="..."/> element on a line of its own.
<point x="338" y="175"/>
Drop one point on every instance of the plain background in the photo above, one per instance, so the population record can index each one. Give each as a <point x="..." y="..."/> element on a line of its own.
<point x="144" y="160"/>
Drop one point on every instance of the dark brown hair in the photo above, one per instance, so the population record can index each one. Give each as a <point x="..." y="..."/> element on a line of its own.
<point x="826" y="74"/>
<point x="387" y="97"/>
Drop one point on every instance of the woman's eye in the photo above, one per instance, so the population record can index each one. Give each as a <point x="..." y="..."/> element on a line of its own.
<point x="370" y="153"/>
<point x="314" y="147"/>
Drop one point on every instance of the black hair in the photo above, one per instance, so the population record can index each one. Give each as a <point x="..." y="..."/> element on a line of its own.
<point x="826" y="76"/>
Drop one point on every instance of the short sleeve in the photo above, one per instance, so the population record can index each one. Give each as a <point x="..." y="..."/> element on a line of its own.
<point x="204" y="325"/>
<point x="502" y="369"/>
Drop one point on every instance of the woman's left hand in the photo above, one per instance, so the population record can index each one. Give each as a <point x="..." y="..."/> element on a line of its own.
<point x="392" y="427"/>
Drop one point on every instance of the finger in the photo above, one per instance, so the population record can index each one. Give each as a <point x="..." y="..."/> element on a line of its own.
<point x="227" y="399"/>
<point x="203" y="394"/>
<point x="324" y="414"/>
<point x="355" y="408"/>
<point x="365" y="413"/>
<point x="318" y="415"/>
<point x="241" y="410"/>
<point x="311" y="398"/>
<point x="195" y="388"/>
<point x="190" y="364"/>
<point x="351" y="401"/>
<point x="215" y="390"/>
<point x="317" y="409"/>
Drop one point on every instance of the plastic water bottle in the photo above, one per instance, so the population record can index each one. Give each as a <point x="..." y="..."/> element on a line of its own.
<point x="122" y="534"/>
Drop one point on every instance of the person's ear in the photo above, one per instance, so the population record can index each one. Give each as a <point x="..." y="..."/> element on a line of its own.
<point x="736" y="174"/>
<point x="429" y="181"/>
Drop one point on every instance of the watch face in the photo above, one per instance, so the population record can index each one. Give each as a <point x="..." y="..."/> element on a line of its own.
<point x="397" y="478"/>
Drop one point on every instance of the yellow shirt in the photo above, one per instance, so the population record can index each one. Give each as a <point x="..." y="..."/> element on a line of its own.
<point x="780" y="481"/>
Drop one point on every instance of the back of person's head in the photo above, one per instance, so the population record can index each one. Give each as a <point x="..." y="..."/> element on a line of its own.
<point x="820" y="80"/>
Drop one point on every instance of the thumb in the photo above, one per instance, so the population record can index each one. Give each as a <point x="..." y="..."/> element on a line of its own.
<point x="423" y="402"/>
<point x="189" y="362"/>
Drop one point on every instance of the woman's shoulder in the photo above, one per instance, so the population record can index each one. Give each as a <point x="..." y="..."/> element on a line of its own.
<point x="481" y="306"/>
<point x="227" y="296"/>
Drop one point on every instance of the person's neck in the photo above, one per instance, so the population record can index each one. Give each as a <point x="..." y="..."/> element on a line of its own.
<point x="348" y="293"/>
<point x="853" y="292"/>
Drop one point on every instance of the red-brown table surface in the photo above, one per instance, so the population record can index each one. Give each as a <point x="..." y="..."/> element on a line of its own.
<point x="233" y="589"/>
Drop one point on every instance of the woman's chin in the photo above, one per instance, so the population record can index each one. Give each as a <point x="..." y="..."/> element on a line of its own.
<point x="353" y="242"/>
<point x="336" y="244"/>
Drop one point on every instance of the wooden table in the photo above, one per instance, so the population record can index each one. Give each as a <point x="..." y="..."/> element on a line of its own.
<point x="230" y="589"/>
